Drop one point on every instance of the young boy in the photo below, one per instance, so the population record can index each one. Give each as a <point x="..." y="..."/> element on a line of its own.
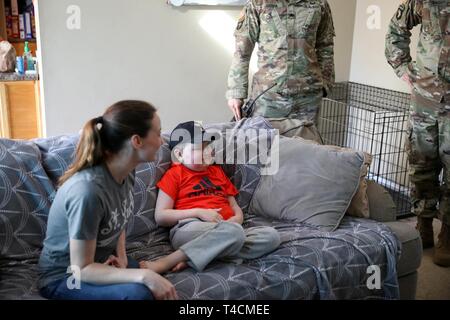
<point x="197" y="200"/>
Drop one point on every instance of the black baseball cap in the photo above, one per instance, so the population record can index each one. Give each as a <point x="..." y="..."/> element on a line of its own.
<point x="188" y="132"/>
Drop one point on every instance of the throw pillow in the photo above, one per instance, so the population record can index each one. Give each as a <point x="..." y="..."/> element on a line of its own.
<point x="359" y="206"/>
<point x="313" y="185"/>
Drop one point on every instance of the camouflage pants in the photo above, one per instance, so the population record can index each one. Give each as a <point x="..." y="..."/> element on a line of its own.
<point x="428" y="149"/>
<point x="276" y="105"/>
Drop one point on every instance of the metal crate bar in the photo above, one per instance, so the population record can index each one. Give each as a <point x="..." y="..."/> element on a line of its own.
<point x="373" y="120"/>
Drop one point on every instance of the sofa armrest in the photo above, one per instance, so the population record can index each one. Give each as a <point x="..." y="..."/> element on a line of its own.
<point x="381" y="206"/>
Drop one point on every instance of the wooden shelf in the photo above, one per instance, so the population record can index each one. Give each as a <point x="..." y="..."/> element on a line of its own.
<point x="2" y="20"/>
<point x="15" y="40"/>
<point x="20" y="114"/>
<point x="3" y="34"/>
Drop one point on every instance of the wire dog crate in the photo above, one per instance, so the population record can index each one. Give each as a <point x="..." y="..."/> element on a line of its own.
<point x="373" y="120"/>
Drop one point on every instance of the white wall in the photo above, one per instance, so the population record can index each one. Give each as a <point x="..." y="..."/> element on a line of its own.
<point x="146" y="49"/>
<point x="369" y="65"/>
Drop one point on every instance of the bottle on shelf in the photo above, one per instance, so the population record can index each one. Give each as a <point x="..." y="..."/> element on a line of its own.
<point x="20" y="69"/>
<point x="28" y="59"/>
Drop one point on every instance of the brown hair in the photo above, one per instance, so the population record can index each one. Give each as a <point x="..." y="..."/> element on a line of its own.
<point x="120" y="122"/>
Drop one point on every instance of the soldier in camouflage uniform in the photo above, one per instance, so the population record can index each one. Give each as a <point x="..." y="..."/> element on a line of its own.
<point x="295" y="56"/>
<point x="429" y="128"/>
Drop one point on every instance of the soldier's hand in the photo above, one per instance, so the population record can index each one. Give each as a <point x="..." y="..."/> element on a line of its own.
<point x="407" y="80"/>
<point x="235" y="107"/>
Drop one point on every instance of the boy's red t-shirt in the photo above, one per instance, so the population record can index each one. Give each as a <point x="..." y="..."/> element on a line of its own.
<point x="191" y="189"/>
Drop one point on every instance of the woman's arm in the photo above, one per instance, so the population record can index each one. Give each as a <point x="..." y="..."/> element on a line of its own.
<point x="121" y="261"/>
<point x="82" y="254"/>
<point x="238" y="215"/>
<point x="166" y="216"/>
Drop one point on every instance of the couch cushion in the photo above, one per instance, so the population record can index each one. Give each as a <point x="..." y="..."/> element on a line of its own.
<point x="57" y="154"/>
<point x="19" y="281"/>
<point x="314" y="184"/>
<point x="26" y="193"/>
<point x="411" y="252"/>
<point x="381" y="204"/>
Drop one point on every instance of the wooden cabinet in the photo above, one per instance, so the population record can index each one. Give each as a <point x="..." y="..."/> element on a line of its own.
<point x="20" y="115"/>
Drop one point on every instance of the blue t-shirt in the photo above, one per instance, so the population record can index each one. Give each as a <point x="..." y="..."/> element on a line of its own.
<point x="91" y="205"/>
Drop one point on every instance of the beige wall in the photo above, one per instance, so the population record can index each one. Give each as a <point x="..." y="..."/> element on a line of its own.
<point x="369" y="64"/>
<point x="344" y="21"/>
<point x="177" y="58"/>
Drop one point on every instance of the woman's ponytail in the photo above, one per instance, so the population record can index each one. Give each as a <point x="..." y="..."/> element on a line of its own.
<point x="89" y="150"/>
<point x="108" y="134"/>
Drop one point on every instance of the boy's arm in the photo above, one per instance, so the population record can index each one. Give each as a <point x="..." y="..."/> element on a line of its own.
<point x="166" y="216"/>
<point x="238" y="215"/>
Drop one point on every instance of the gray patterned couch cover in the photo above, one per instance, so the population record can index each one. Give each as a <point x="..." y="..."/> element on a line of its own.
<point x="309" y="264"/>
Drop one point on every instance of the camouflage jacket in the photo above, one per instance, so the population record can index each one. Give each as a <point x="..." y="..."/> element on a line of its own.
<point x="295" y="40"/>
<point x="430" y="73"/>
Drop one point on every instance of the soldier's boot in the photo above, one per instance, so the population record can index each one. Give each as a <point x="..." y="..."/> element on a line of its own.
<point x="442" y="251"/>
<point x="425" y="227"/>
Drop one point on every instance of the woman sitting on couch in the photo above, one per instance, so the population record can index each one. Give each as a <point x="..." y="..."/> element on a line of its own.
<point x="84" y="253"/>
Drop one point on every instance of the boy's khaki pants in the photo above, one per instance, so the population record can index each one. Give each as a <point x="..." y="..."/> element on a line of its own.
<point x="203" y="242"/>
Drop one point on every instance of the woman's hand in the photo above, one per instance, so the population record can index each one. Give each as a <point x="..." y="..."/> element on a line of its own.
<point x="118" y="262"/>
<point x="160" y="287"/>
<point x="209" y="215"/>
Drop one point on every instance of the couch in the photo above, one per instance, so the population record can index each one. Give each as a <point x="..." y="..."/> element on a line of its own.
<point x="309" y="264"/>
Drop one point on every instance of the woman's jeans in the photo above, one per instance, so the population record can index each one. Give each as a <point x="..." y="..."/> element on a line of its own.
<point x="59" y="290"/>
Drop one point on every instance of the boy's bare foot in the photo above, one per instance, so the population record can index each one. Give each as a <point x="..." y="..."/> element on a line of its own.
<point x="176" y="261"/>
<point x="179" y="267"/>
<point x="157" y="266"/>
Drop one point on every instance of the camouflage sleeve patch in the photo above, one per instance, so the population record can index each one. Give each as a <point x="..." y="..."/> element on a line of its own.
<point x="241" y="19"/>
